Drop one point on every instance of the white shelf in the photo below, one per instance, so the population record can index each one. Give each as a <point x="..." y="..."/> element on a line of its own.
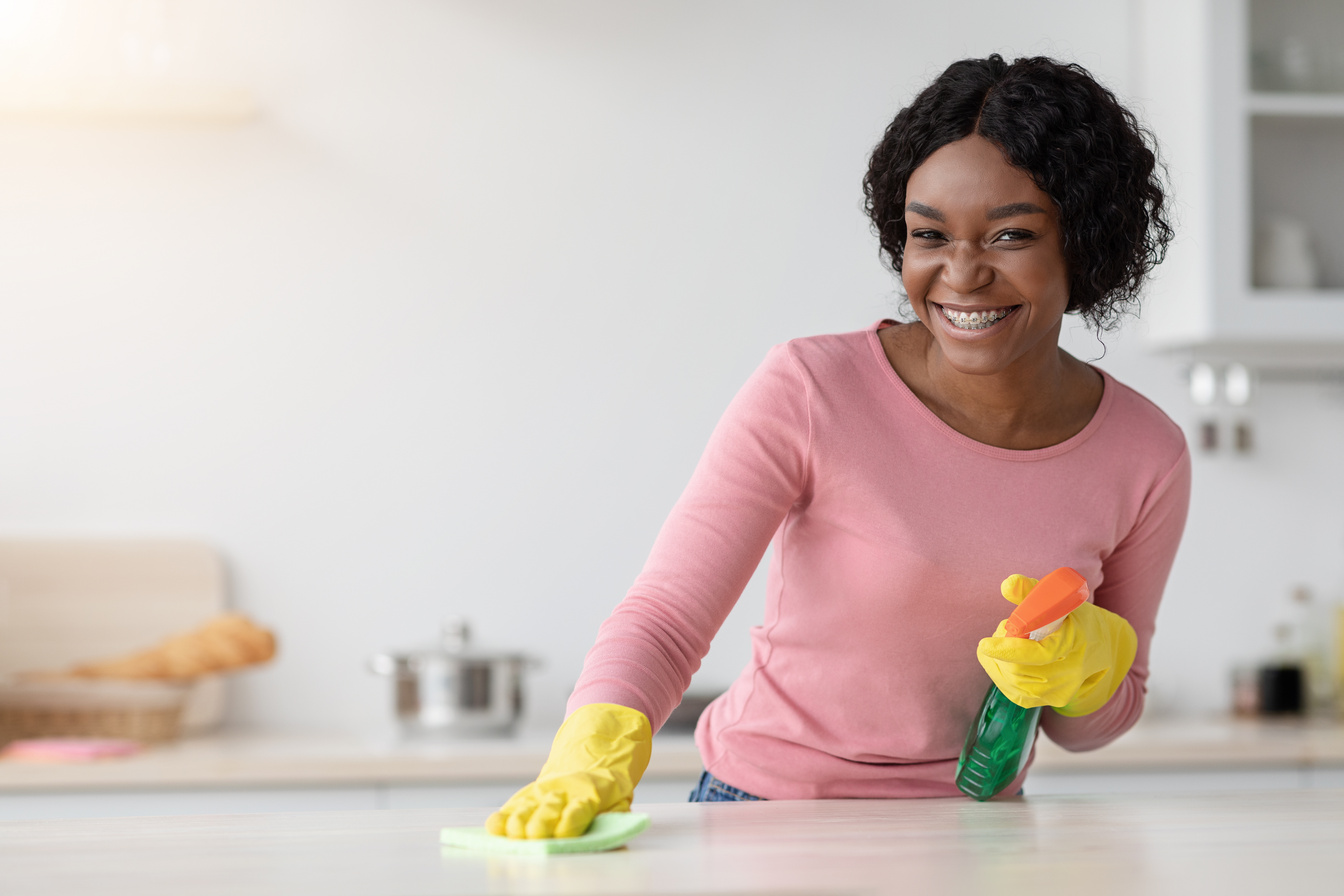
<point x="1326" y="299"/>
<point x="1296" y="105"/>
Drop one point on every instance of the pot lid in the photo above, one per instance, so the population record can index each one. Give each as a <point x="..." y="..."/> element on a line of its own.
<point x="455" y="645"/>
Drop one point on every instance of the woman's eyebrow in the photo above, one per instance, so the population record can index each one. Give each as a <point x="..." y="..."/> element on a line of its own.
<point x="927" y="211"/>
<point x="1014" y="208"/>
<point x="994" y="214"/>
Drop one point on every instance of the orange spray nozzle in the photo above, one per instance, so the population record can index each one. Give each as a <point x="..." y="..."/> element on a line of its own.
<point x="1054" y="597"/>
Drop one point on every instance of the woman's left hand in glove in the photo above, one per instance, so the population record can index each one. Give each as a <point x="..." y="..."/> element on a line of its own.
<point x="1075" y="669"/>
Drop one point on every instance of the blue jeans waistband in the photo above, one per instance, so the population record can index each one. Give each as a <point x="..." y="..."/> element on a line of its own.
<point x="712" y="790"/>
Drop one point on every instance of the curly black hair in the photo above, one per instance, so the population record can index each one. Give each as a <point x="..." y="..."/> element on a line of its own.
<point x="1075" y="140"/>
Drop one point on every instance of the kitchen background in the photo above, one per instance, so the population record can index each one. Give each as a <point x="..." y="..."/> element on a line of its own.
<point x="443" y="327"/>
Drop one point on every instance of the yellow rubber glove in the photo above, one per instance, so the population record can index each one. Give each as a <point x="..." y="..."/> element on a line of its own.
<point x="1075" y="669"/>
<point x="598" y="756"/>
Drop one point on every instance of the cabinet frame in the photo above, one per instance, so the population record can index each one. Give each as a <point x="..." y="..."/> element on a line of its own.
<point x="1193" y="89"/>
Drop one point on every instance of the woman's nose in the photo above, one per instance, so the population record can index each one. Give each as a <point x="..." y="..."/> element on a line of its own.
<point x="966" y="269"/>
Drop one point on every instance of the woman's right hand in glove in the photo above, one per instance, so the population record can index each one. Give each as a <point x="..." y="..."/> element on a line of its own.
<point x="598" y="756"/>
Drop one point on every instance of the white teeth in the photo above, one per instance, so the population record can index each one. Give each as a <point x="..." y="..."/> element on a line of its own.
<point x="975" y="320"/>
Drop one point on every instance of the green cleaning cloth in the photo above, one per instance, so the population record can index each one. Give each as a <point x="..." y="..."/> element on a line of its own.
<point x="608" y="831"/>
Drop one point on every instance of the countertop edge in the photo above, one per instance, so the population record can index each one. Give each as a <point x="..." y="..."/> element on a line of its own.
<point x="241" y="760"/>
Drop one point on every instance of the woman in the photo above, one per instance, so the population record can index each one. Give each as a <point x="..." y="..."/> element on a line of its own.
<point x="902" y="471"/>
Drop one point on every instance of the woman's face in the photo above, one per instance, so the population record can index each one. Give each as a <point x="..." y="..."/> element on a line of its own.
<point x="984" y="263"/>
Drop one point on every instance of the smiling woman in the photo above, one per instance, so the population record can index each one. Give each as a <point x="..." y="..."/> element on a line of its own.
<point x="1005" y="196"/>
<point x="1085" y="152"/>
<point x="901" y="472"/>
<point x="984" y="270"/>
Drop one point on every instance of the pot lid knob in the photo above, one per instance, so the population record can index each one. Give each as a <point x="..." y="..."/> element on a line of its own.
<point x="455" y="634"/>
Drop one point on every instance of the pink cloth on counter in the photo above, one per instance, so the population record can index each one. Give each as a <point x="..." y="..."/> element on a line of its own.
<point x="69" y="749"/>
<point x="891" y="533"/>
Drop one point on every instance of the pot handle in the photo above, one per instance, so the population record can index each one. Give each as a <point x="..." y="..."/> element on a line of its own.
<point x="382" y="664"/>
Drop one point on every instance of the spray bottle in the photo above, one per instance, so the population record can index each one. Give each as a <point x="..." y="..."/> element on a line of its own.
<point x="998" y="744"/>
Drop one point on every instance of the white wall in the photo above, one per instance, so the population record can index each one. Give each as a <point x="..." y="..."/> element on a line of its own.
<point x="445" y="329"/>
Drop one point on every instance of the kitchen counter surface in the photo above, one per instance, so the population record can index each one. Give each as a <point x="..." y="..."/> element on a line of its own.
<point x="1229" y="843"/>
<point x="237" y="760"/>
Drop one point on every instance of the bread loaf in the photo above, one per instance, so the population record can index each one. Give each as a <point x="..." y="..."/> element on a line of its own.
<point x="227" y="642"/>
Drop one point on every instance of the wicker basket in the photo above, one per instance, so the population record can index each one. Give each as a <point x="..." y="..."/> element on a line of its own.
<point x="146" y="711"/>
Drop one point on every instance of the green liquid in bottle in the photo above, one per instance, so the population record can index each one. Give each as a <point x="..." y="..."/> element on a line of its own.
<point x="997" y="746"/>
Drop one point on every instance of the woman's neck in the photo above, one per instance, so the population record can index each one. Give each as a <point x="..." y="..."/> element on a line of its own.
<point x="1040" y="400"/>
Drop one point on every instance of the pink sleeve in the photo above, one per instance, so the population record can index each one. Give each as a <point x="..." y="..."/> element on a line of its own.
<point x="753" y="470"/>
<point x="1133" y="578"/>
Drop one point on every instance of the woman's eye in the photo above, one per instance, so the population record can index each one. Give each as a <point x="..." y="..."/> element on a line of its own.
<point x="1015" y="236"/>
<point x="923" y="234"/>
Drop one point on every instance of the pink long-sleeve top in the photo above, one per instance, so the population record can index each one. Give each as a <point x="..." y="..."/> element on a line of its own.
<point x="891" y="532"/>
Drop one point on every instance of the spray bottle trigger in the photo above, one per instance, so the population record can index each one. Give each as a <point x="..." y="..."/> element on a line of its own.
<point x="1043" y="610"/>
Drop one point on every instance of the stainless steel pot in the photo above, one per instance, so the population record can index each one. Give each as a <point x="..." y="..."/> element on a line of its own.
<point x="454" y="690"/>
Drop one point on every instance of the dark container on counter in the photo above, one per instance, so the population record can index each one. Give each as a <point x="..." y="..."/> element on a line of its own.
<point x="1281" y="690"/>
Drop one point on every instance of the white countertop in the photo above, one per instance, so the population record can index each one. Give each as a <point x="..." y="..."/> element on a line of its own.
<point x="309" y="759"/>
<point x="1225" y="843"/>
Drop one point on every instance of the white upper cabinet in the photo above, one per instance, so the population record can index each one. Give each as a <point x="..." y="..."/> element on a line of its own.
<point x="1246" y="98"/>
